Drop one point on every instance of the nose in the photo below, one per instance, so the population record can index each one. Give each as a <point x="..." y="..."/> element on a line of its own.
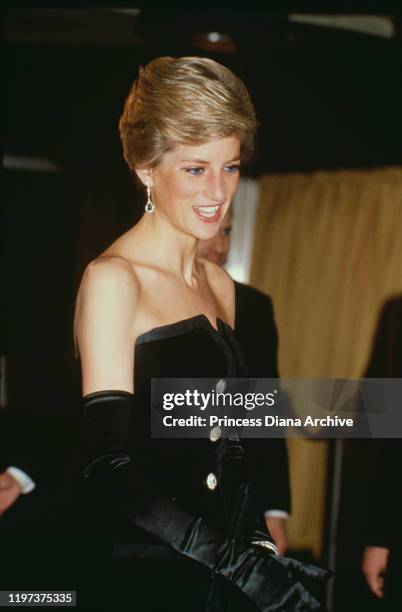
<point x="215" y="188"/>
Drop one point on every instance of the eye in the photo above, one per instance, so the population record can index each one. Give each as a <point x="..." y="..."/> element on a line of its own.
<point x="195" y="170"/>
<point x="232" y="168"/>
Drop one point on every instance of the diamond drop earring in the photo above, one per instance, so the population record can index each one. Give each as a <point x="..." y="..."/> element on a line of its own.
<point x="149" y="206"/>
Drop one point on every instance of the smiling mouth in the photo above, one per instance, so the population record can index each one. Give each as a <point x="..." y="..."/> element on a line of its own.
<point x="208" y="213"/>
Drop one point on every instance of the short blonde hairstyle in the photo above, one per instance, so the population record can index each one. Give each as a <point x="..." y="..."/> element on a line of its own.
<point x="185" y="100"/>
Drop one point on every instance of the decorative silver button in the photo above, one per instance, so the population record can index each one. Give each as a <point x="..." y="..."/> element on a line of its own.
<point x="215" y="433"/>
<point x="220" y="386"/>
<point x="211" y="481"/>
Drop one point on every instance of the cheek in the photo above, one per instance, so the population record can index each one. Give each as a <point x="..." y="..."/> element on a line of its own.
<point x="232" y="185"/>
<point x="171" y="192"/>
<point x="182" y="188"/>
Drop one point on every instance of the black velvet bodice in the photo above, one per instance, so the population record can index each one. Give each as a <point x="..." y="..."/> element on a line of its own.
<point x="178" y="468"/>
<point x="186" y="349"/>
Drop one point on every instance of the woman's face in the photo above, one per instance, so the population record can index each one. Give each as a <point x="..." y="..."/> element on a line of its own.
<point x="193" y="185"/>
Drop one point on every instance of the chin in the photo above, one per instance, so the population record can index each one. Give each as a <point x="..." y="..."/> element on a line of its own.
<point x="205" y="233"/>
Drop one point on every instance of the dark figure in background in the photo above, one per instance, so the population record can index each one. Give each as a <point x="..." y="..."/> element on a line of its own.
<point x="17" y="464"/>
<point x="148" y="307"/>
<point x="256" y="332"/>
<point x="37" y="503"/>
<point x="382" y="558"/>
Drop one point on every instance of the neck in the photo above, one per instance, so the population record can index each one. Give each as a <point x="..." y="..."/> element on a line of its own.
<point x="165" y="246"/>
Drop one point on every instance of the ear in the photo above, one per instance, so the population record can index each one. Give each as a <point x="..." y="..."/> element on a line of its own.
<point x="145" y="176"/>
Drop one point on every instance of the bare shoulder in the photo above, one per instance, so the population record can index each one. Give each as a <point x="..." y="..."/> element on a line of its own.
<point x="104" y="325"/>
<point x="109" y="291"/>
<point x="109" y="274"/>
<point x="222" y="286"/>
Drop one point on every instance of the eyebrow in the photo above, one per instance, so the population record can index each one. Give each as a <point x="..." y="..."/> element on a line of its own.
<point x="204" y="161"/>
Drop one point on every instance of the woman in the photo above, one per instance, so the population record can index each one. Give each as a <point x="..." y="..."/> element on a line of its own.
<point x="149" y="308"/>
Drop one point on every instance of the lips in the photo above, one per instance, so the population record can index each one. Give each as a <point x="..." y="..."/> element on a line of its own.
<point x="208" y="214"/>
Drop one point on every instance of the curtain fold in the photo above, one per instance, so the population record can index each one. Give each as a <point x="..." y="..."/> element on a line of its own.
<point x="328" y="249"/>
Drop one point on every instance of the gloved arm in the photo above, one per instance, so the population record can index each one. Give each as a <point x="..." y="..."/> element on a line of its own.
<point x="272" y="583"/>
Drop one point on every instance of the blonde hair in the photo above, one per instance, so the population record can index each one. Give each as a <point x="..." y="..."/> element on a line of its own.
<point x="186" y="100"/>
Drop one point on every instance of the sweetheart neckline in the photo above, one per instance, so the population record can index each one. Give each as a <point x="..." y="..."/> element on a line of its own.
<point x="201" y="317"/>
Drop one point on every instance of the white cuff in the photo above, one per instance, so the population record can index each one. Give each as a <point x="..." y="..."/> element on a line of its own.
<point x="276" y="514"/>
<point x="27" y="484"/>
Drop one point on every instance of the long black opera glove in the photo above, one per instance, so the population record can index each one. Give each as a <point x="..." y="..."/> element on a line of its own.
<point x="271" y="582"/>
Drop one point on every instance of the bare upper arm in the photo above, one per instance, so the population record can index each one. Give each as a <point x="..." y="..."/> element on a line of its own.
<point x="104" y="325"/>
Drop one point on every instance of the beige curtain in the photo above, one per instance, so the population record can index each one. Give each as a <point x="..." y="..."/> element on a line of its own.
<point x="328" y="249"/>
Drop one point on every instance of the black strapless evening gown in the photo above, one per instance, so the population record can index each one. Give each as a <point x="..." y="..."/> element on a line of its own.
<point x="148" y="575"/>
